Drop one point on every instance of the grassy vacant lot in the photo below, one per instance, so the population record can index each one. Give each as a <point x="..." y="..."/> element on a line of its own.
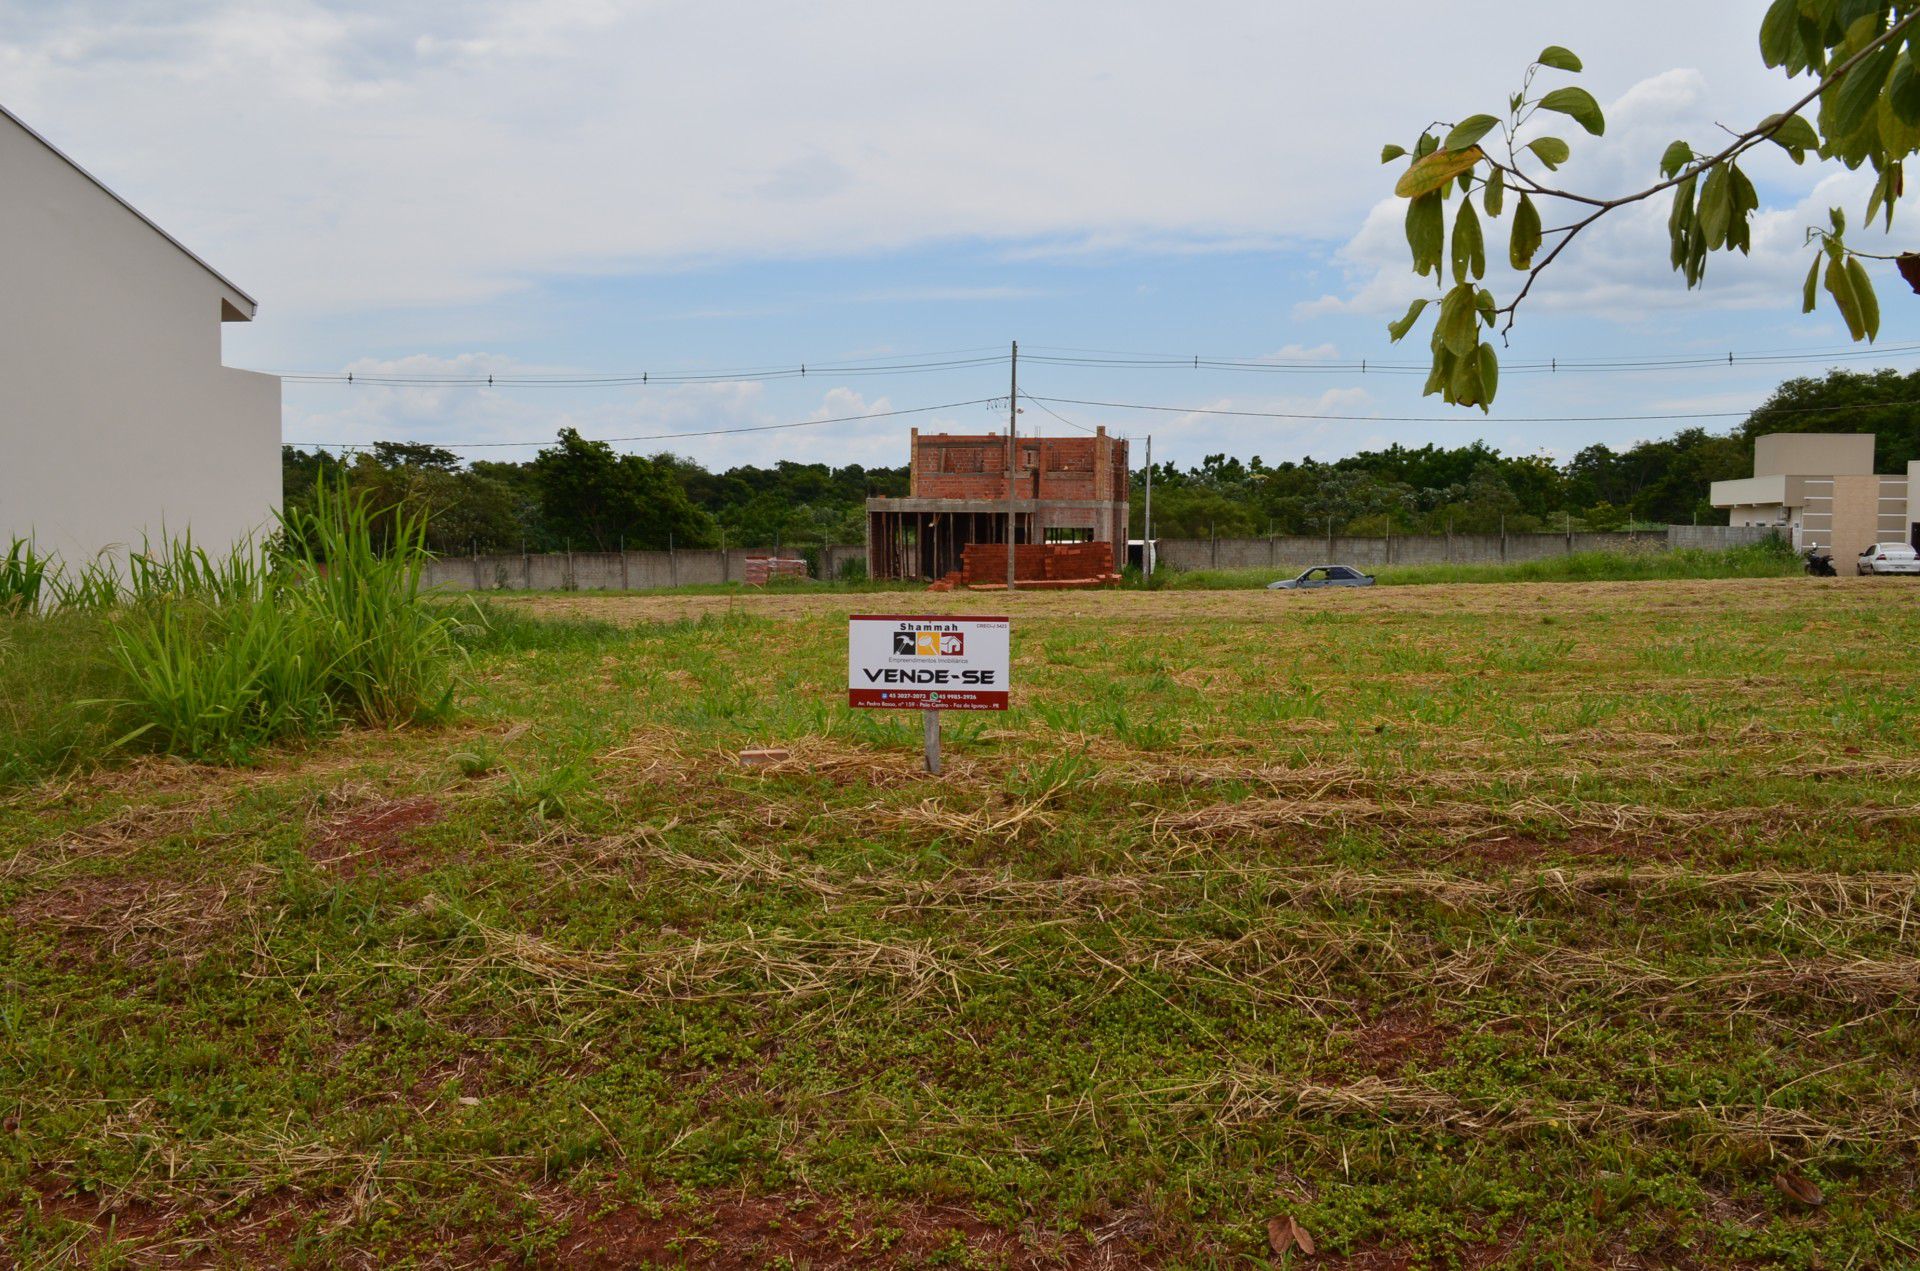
<point x="1505" y="926"/>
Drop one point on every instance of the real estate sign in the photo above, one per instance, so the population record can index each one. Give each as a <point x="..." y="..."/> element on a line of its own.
<point x="928" y="662"/>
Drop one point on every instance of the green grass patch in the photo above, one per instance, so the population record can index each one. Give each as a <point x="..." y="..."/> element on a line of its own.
<point x="1772" y="559"/>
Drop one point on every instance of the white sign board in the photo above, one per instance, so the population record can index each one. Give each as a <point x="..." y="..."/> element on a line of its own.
<point x="928" y="662"/>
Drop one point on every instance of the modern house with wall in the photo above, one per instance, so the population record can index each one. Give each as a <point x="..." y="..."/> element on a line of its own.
<point x="118" y="422"/>
<point x="1821" y="488"/>
<point x="1064" y="490"/>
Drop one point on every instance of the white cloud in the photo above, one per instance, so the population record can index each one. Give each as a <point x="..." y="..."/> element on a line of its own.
<point x="338" y="157"/>
<point x="1321" y="352"/>
<point x="686" y="419"/>
<point x="1618" y="269"/>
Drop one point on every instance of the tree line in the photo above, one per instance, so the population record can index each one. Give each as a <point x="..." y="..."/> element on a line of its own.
<point x="1476" y="489"/>
<point x="583" y="495"/>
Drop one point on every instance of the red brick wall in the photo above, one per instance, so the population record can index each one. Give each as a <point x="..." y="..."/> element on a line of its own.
<point x="956" y="466"/>
<point x="987" y="562"/>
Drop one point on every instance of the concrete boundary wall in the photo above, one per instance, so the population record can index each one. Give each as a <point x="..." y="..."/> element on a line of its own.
<point x="616" y="571"/>
<point x="627" y="571"/>
<point x="1301" y="551"/>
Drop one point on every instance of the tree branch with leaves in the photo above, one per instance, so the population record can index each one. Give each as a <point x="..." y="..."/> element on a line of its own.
<point x="1864" y="59"/>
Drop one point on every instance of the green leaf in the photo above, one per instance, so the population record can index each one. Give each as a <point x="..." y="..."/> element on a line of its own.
<point x="1793" y="134"/>
<point x="1903" y="92"/>
<point x="1578" y="105"/>
<point x="1463" y="388"/>
<point x="1495" y="193"/>
<point x="1470" y="130"/>
<point x="1812" y="287"/>
<point x="1434" y="170"/>
<point x="1489" y="375"/>
<point x="1389" y="153"/>
<point x="1457" y="329"/>
<point x="1840" y="286"/>
<point x="1897" y="136"/>
<point x="1560" y="59"/>
<point x="1680" y="225"/>
<point x="1744" y="200"/>
<point x="1779" y="32"/>
<point x="1469" y="246"/>
<point x="1715" y="209"/>
<point x="1427" y="144"/>
<point x="1426" y="232"/>
<point x="1550" y="150"/>
<point x="1864" y="297"/>
<point x="1525" y="240"/>
<point x="1677" y="156"/>
<point x="1852" y="103"/>
<point x="1398" y="330"/>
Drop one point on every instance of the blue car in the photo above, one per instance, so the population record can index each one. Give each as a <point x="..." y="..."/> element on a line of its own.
<point x="1324" y="576"/>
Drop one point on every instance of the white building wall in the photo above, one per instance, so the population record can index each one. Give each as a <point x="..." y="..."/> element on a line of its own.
<point x="117" y="420"/>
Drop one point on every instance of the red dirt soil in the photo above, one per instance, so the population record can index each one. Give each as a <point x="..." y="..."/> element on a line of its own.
<point x="376" y="834"/>
<point x="728" y="1233"/>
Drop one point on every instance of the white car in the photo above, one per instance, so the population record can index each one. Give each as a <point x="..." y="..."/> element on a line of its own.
<point x="1889" y="558"/>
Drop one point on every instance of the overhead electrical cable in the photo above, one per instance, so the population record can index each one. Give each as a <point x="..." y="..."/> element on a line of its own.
<point x="1549" y="366"/>
<point x="503" y="379"/>
<point x="1503" y="419"/>
<point x="1051" y="411"/>
<point x="669" y="436"/>
<point x="964" y="359"/>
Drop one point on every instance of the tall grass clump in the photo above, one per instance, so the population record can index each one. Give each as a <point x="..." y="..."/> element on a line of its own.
<point x="24" y="578"/>
<point x="221" y="655"/>
<point x="391" y="652"/>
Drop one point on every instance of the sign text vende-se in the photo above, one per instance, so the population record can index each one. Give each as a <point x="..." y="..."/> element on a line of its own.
<point x="928" y="662"/>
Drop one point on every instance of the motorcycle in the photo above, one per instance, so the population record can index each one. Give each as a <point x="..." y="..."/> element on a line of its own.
<point x="1820" y="564"/>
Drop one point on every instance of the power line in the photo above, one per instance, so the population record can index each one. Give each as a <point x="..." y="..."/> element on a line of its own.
<point x="957" y="359"/>
<point x="482" y="379"/>
<point x="667" y="436"/>
<point x="1042" y="403"/>
<point x="1056" y="414"/>
<point x="1548" y="366"/>
<point x="1504" y="419"/>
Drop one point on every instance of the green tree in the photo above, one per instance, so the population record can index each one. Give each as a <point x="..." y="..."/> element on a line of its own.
<point x="1862" y="109"/>
<point x="592" y="496"/>
<point x="1884" y="403"/>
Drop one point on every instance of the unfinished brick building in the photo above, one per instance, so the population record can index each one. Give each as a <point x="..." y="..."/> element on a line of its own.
<point x="1066" y="490"/>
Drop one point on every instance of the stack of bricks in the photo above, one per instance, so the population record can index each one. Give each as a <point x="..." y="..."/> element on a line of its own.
<point x="1036" y="565"/>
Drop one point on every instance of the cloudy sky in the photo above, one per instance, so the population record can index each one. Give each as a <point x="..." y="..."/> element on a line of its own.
<point x="673" y="187"/>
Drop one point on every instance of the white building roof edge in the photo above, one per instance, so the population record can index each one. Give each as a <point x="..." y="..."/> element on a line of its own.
<point x="253" y="306"/>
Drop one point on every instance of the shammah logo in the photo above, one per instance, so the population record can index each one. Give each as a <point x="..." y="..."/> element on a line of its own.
<point x="950" y="644"/>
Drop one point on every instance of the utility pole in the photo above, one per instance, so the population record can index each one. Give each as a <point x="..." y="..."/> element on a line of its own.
<point x="1013" y="413"/>
<point x="1146" y="530"/>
